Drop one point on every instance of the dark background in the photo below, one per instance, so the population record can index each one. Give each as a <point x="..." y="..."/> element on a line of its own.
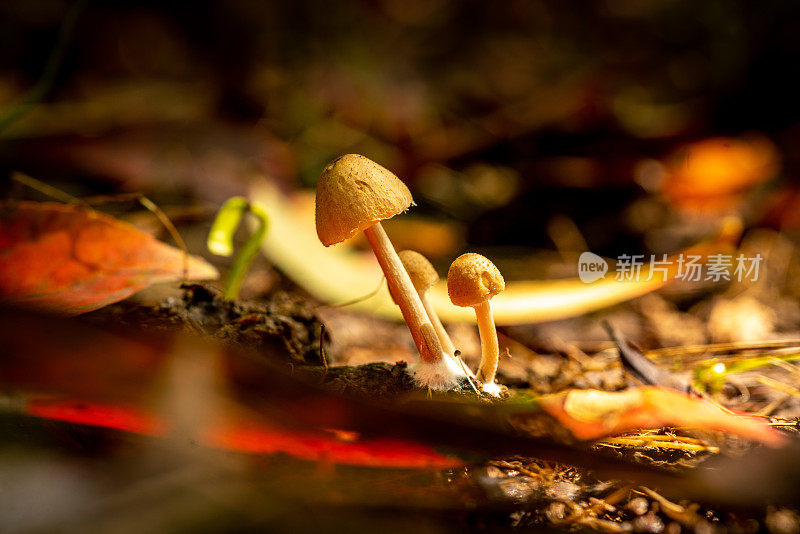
<point x="499" y="115"/>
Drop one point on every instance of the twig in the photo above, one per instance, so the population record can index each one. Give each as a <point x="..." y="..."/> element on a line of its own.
<point x="661" y="442"/>
<point x="641" y="367"/>
<point x="780" y="386"/>
<point x="322" y="353"/>
<point x="612" y="499"/>
<point x="772" y="406"/>
<point x="470" y="377"/>
<point x="355" y="300"/>
<point x="684" y="515"/>
<point x="692" y="350"/>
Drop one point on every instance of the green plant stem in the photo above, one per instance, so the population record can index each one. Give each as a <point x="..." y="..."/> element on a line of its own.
<point x="220" y="240"/>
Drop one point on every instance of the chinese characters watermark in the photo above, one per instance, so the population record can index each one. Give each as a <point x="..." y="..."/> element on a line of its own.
<point x="687" y="267"/>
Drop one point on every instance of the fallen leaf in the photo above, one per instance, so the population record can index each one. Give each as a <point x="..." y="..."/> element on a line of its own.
<point x="255" y="436"/>
<point x="712" y="175"/>
<point x="71" y="259"/>
<point x="339" y="274"/>
<point x="593" y="414"/>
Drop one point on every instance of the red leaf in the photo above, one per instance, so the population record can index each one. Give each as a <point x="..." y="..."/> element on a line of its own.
<point x="257" y="437"/>
<point x="72" y="259"/>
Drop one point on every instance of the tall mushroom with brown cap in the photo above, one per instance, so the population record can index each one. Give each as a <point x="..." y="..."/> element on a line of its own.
<point x="353" y="195"/>
<point x="423" y="276"/>
<point x="471" y="282"/>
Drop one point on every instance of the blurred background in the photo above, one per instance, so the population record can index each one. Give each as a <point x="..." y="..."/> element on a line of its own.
<point x="508" y="121"/>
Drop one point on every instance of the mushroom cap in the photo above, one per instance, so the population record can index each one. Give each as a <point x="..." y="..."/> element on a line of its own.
<point x="353" y="193"/>
<point x="419" y="269"/>
<point x="473" y="279"/>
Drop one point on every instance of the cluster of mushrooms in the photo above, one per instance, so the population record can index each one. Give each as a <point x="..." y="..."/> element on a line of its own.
<point x="353" y="195"/>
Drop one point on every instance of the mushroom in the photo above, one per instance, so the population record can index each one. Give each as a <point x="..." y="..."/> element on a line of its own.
<point x="471" y="282"/>
<point x="353" y="195"/>
<point x="423" y="276"/>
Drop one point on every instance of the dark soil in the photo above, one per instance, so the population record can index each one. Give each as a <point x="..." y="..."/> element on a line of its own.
<point x="283" y="326"/>
<point x="372" y="380"/>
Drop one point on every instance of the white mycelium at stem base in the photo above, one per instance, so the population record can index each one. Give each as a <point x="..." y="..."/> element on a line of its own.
<point x="353" y="195"/>
<point x="471" y="281"/>
<point x="490" y="349"/>
<point x="423" y="276"/>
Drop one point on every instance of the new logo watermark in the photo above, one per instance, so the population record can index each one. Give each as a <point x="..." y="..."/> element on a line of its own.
<point x="591" y="267"/>
<point x="687" y="267"/>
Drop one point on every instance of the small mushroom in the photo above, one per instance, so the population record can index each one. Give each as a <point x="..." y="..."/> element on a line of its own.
<point x="423" y="276"/>
<point x="471" y="282"/>
<point x="353" y="195"/>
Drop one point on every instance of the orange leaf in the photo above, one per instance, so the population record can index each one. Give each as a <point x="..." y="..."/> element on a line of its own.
<point x="712" y="174"/>
<point x="70" y="259"/>
<point x="593" y="414"/>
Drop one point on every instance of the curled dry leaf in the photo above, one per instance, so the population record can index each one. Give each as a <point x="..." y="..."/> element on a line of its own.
<point x="71" y="259"/>
<point x="593" y="414"/>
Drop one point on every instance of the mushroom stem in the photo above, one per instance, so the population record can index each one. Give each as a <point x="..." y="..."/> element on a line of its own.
<point x="441" y="333"/>
<point x="490" y="349"/>
<point x="430" y="349"/>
